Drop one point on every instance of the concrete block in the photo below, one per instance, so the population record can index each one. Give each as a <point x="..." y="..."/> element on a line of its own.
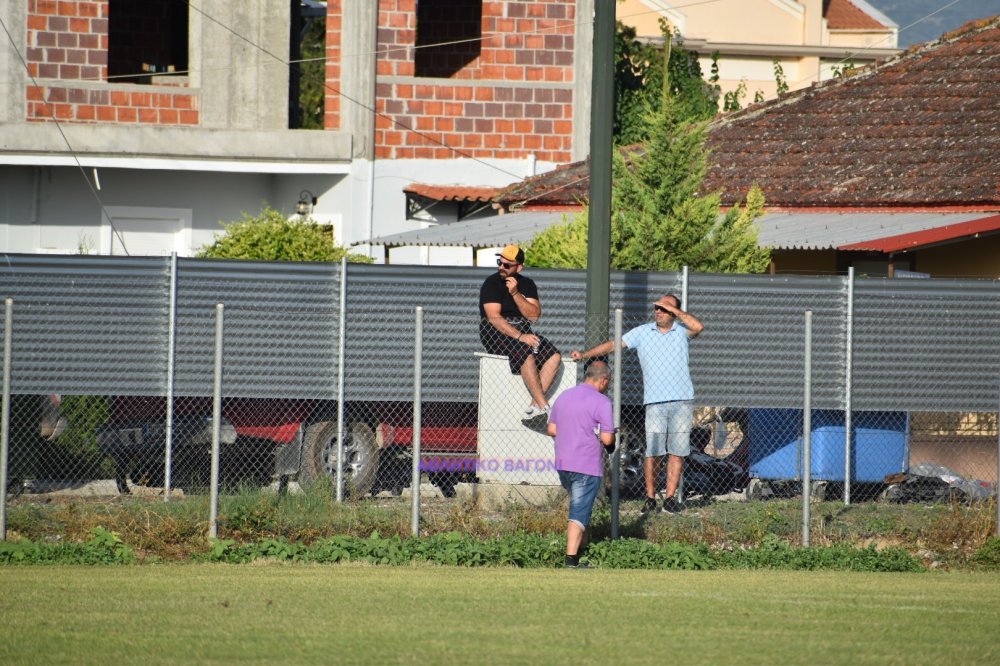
<point x="494" y="496"/>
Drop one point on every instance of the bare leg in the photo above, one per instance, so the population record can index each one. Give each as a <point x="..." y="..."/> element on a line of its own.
<point x="549" y="371"/>
<point x="574" y="537"/>
<point x="675" y="465"/>
<point x="529" y="373"/>
<point x="652" y="466"/>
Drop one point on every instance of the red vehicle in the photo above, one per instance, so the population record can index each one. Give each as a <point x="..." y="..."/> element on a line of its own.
<point x="264" y="438"/>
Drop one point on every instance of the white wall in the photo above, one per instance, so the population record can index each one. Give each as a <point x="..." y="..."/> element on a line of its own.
<point x="54" y="210"/>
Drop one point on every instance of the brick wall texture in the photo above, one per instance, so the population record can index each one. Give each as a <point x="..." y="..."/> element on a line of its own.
<point x="67" y="56"/>
<point x="513" y="100"/>
<point x="331" y="101"/>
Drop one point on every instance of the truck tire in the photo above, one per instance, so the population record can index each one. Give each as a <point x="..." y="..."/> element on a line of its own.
<point x="319" y="456"/>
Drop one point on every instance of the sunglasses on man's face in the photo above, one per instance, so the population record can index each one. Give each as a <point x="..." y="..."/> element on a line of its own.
<point x="660" y="308"/>
<point x="505" y="264"/>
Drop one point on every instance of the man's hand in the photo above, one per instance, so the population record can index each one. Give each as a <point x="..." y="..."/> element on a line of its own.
<point x="529" y="339"/>
<point x="511" y="283"/>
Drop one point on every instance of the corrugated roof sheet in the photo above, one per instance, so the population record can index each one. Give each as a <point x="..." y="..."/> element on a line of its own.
<point x="492" y="231"/>
<point x="885" y="232"/>
<point x="859" y="231"/>
<point x="924" y="237"/>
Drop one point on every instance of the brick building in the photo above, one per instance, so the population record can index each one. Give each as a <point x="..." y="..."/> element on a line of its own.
<point x="137" y="125"/>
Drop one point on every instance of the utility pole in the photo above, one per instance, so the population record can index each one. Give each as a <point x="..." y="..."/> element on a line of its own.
<point x="599" y="222"/>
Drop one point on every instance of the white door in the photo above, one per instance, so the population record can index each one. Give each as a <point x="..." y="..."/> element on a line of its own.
<point x="141" y="231"/>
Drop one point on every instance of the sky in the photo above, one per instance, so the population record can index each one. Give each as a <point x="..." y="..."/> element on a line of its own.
<point x="952" y="15"/>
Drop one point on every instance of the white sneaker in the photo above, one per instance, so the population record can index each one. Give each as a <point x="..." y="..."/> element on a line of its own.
<point x="534" y="411"/>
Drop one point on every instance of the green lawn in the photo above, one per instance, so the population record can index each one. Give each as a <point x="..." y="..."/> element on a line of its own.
<point x="268" y="613"/>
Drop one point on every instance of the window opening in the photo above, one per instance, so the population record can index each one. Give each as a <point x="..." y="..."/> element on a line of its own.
<point x="449" y="36"/>
<point x="146" y="39"/>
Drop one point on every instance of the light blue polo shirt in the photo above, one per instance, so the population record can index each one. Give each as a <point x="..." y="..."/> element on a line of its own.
<point x="664" y="360"/>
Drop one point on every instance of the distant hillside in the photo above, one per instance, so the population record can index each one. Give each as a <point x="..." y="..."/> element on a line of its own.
<point x="905" y="12"/>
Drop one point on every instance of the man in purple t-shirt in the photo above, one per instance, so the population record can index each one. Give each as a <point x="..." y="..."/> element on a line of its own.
<point x="582" y="423"/>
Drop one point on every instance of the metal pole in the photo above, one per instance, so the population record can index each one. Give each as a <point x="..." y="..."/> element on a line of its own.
<point x="684" y="287"/>
<point x="8" y="326"/>
<point x="807" y="430"/>
<point x="617" y="400"/>
<point x="418" y="345"/>
<point x="997" y="485"/>
<point x="848" y="375"/>
<point x="679" y="494"/>
<point x="213" y="519"/>
<point x="168" y="430"/>
<point x="341" y="346"/>
<point x="602" y="114"/>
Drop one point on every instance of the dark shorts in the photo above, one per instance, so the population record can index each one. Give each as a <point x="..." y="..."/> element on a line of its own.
<point x="516" y="352"/>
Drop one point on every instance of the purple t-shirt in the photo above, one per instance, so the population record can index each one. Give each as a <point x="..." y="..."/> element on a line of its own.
<point x="576" y="413"/>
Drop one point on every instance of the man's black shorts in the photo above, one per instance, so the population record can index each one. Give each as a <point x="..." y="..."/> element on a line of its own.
<point x="516" y="352"/>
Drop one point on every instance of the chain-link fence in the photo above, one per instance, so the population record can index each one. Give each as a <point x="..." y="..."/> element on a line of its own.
<point x="111" y="390"/>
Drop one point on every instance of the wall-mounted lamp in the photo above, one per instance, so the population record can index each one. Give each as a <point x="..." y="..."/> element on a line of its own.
<point x="306" y="202"/>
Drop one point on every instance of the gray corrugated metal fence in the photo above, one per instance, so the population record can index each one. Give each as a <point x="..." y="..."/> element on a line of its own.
<point x="98" y="325"/>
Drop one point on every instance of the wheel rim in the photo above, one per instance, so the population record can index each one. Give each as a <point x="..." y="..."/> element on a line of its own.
<point x="356" y="458"/>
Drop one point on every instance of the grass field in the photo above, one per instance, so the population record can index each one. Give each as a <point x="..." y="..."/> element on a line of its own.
<point x="268" y="613"/>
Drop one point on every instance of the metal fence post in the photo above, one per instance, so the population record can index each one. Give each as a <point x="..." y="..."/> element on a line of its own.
<point x="418" y="345"/>
<point x="341" y="346"/>
<point x="848" y="371"/>
<point x="684" y="287"/>
<point x="8" y="321"/>
<point x="213" y="519"/>
<point x="168" y="444"/>
<point x="616" y="460"/>
<point x="807" y="430"/>
<point x="680" y="493"/>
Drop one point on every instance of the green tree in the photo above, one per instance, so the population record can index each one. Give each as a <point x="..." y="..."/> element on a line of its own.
<point x="270" y="236"/>
<point x="561" y="246"/>
<point x="639" y="83"/>
<point x="658" y="221"/>
<point x="312" y="84"/>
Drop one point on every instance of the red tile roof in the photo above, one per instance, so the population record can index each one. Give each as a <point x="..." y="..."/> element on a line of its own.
<point x="845" y="15"/>
<point x="567" y="185"/>
<point x="452" y="192"/>
<point x="922" y="129"/>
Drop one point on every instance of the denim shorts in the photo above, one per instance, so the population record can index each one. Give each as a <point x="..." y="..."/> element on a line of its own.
<point x="582" y="493"/>
<point x="668" y="428"/>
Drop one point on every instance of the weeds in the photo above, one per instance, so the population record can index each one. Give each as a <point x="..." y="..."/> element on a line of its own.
<point x="953" y="535"/>
<point x="988" y="557"/>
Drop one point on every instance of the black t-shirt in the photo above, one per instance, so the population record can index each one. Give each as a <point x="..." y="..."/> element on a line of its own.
<point x="494" y="290"/>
